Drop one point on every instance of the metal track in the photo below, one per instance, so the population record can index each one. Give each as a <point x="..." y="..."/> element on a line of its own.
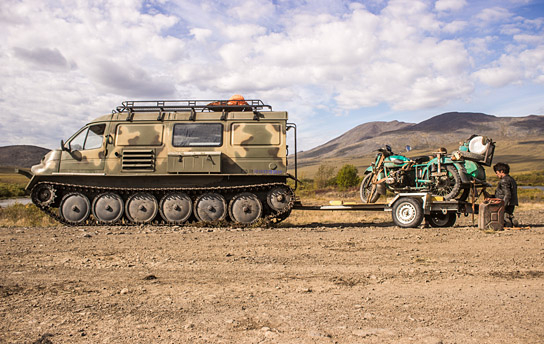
<point x="64" y="188"/>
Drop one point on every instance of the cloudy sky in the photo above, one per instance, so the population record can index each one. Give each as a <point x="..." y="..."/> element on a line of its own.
<point x="333" y="64"/>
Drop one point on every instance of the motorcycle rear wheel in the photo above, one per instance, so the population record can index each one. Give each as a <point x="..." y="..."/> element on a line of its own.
<point x="449" y="188"/>
<point x="368" y="191"/>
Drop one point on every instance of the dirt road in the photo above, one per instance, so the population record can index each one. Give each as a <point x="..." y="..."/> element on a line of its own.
<point x="355" y="283"/>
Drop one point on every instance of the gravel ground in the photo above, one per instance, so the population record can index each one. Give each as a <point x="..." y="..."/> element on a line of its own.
<point x="348" y="283"/>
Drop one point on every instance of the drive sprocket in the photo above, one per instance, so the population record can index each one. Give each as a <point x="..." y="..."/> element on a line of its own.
<point x="44" y="194"/>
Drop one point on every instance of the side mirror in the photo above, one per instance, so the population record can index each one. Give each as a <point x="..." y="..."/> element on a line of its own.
<point x="63" y="146"/>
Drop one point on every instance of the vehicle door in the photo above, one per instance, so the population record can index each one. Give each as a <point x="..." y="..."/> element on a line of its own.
<point x="85" y="152"/>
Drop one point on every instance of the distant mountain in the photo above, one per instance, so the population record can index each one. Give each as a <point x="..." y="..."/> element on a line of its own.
<point x="447" y="129"/>
<point x="360" y="133"/>
<point x="21" y="155"/>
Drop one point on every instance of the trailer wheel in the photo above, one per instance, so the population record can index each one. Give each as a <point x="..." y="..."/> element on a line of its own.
<point x="439" y="219"/>
<point x="407" y="212"/>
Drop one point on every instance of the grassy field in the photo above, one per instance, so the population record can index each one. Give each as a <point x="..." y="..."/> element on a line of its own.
<point x="12" y="184"/>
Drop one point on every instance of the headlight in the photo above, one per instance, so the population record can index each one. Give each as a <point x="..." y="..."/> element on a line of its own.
<point x="456" y="156"/>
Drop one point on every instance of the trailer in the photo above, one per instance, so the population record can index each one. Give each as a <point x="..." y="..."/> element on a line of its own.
<point x="407" y="209"/>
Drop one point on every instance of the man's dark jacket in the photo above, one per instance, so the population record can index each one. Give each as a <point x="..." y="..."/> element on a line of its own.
<point x="507" y="190"/>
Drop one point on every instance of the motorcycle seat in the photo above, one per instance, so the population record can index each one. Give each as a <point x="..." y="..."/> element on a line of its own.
<point x="421" y="159"/>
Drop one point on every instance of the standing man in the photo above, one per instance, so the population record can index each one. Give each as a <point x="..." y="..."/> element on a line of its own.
<point x="507" y="190"/>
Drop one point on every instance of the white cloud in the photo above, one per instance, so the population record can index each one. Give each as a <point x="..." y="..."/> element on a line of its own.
<point x="526" y="65"/>
<point x="480" y="45"/>
<point x="201" y="34"/>
<point x="252" y="10"/>
<point x="492" y="15"/>
<point x="243" y="31"/>
<point x="449" y="5"/>
<point x="83" y="58"/>
<point x="455" y="26"/>
<point x="531" y="39"/>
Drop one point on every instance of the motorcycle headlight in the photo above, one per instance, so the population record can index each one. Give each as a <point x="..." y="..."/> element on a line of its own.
<point x="456" y="156"/>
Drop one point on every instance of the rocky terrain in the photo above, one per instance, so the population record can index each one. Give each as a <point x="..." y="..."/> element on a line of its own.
<point x="349" y="281"/>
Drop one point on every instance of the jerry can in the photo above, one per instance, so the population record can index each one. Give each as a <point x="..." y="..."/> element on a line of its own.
<point x="491" y="214"/>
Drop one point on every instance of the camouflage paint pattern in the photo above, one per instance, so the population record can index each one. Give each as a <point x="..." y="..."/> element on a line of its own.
<point x="248" y="146"/>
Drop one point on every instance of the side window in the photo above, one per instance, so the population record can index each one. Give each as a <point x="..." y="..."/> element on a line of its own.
<point x="197" y="135"/>
<point x="90" y="138"/>
<point x="95" y="136"/>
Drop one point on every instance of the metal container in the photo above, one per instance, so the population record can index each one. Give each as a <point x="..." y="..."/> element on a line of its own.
<point x="491" y="214"/>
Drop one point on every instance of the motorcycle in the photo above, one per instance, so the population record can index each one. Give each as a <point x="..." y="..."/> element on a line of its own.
<point x="448" y="175"/>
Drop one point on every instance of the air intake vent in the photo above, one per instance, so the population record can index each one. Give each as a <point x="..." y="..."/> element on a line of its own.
<point x="139" y="160"/>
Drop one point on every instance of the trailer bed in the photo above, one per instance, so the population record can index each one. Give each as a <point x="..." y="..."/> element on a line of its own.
<point x="408" y="209"/>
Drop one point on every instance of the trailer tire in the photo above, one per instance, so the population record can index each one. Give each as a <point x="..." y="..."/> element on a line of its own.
<point x="407" y="212"/>
<point x="439" y="219"/>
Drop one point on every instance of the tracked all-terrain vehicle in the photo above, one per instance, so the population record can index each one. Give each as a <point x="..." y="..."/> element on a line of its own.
<point x="168" y="162"/>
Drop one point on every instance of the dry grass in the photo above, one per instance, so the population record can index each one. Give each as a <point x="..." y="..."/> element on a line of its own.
<point x="339" y="218"/>
<point x="19" y="215"/>
<point x="13" y="178"/>
<point x="329" y="217"/>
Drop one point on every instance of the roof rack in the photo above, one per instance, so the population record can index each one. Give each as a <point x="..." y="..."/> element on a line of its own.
<point x="249" y="105"/>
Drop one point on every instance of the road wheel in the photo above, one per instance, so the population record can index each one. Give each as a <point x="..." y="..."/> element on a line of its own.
<point x="439" y="219"/>
<point x="407" y="212"/>
<point x="368" y="191"/>
<point x="141" y="207"/>
<point x="176" y="208"/>
<point x="210" y="207"/>
<point x="108" y="207"/>
<point x="447" y="186"/>
<point x="75" y="208"/>
<point x="245" y="208"/>
<point x="279" y="198"/>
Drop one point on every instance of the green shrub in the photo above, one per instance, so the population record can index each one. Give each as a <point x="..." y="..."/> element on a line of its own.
<point x="324" y="176"/>
<point x="11" y="190"/>
<point x="530" y="195"/>
<point x="530" y="179"/>
<point x="347" y="177"/>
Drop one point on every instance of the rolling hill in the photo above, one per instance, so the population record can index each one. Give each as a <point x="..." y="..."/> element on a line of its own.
<point x="22" y="156"/>
<point x="519" y="140"/>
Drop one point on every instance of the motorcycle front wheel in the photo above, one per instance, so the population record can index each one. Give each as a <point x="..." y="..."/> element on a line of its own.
<point x="449" y="185"/>
<point x="368" y="191"/>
